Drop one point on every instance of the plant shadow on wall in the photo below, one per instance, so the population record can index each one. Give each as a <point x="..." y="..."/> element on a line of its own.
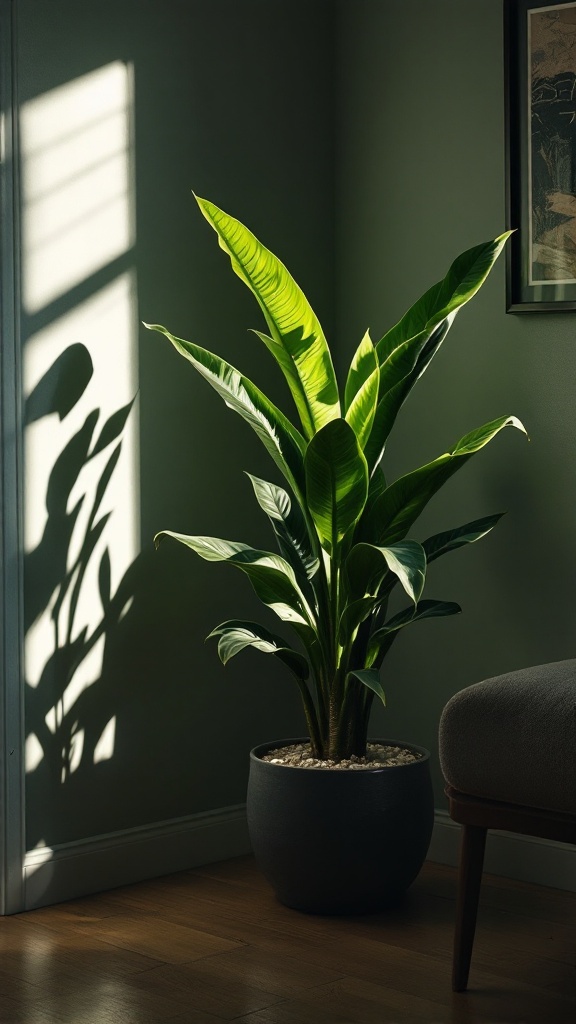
<point x="71" y="704"/>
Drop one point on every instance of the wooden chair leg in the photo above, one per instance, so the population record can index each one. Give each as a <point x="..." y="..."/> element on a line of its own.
<point x="473" y="843"/>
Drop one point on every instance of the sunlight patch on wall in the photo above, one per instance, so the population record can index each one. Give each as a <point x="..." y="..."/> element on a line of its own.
<point x="34" y="753"/>
<point x="37" y="858"/>
<point x="72" y="754"/>
<point x="75" y="146"/>
<point x="81" y="458"/>
<point x="104" y="749"/>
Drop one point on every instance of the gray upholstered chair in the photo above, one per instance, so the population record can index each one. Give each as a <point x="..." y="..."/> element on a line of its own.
<point x="508" y="755"/>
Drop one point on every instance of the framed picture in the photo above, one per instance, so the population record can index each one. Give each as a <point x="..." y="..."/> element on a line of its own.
<point x="540" y="62"/>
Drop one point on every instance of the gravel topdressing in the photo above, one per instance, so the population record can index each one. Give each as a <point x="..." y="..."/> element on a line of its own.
<point x="378" y="755"/>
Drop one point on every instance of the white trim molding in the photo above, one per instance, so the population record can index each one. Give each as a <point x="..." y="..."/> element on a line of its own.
<point x="524" y="858"/>
<point x="12" y="842"/>
<point x="54" y="874"/>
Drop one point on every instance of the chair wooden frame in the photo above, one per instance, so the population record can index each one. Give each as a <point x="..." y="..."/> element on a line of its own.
<point x="476" y="816"/>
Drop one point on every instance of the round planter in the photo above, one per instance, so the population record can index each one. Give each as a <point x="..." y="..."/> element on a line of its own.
<point x="339" y="842"/>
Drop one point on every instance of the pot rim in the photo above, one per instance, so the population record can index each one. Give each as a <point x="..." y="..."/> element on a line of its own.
<point x="263" y="748"/>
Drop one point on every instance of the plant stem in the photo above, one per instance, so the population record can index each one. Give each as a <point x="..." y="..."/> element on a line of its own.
<point x="311" y="718"/>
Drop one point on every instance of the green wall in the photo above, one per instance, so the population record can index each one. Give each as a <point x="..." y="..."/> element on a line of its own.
<point x="421" y="179"/>
<point x="364" y="142"/>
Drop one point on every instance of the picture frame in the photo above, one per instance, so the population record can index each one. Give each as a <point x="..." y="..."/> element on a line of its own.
<point x="540" y="82"/>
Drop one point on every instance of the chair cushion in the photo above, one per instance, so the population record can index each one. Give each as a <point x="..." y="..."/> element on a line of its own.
<point x="513" y="738"/>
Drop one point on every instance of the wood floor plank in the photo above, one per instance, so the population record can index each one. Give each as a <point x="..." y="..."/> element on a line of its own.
<point x="240" y="871"/>
<point x="407" y="971"/>
<point x="88" y="908"/>
<point x="425" y="922"/>
<point x="210" y="905"/>
<point x="201" y="986"/>
<point x="71" y="949"/>
<point x="101" y="1003"/>
<point x="15" y="1012"/>
<point x="545" y="903"/>
<point x="14" y="993"/>
<point x="83" y="998"/>
<point x="163" y="941"/>
<point x="185" y="892"/>
<point x="350" y="1001"/>
<point x="355" y="1002"/>
<point x="212" y="944"/>
<point x="269" y="971"/>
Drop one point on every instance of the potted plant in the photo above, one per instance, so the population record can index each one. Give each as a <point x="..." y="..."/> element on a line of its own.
<point x="339" y="833"/>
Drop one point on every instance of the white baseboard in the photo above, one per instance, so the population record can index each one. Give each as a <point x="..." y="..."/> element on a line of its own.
<point x="525" y="858"/>
<point x="53" y="875"/>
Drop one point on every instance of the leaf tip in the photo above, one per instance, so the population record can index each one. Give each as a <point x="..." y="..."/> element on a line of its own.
<point x="513" y="421"/>
<point x="154" y="327"/>
<point x="205" y="206"/>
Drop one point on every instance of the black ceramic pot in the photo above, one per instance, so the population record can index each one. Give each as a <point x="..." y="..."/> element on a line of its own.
<point x="339" y="842"/>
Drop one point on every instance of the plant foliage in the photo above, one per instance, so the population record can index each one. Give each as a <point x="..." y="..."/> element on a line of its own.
<point x="341" y="530"/>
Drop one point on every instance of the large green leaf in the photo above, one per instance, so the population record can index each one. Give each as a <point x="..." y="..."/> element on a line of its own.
<point x="381" y="640"/>
<point x="361" y="410"/>
<point x="407" y="349"/>
<point x="362" y="388"/>
<point x="336" y="482"/>
<point x="289" y="526"/>
<point x="376" y="487"/>
<point x="398" y="374"/>
<point x="271" y="576"/>
<point x="297" y="341"/>
<point x="464" y="278"/>
<point x="397" y="508"/>
<point x="405" y="357"/>
<point x="366" y="567"/>
<point x="441" y="543"/>
<point x="353" y="615"/>
<point x="369" y="678"/>
<point x="283" y="442"/>
<point x="363" y="364"/>
<point x="367" y="564"/>
<point x="237" y="634"/>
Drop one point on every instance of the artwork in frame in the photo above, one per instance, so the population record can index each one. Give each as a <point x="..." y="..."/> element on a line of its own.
<point x="540" y="40"/>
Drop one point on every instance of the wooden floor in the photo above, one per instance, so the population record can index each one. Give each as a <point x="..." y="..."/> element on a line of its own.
<point x="213" y="945"/>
